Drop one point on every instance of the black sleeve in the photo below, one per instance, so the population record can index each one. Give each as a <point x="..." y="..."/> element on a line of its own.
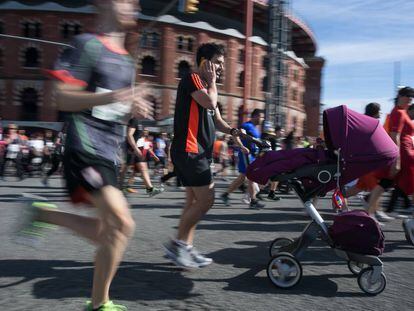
<point x="194" y="83"/>
<point x="133" y="123"/>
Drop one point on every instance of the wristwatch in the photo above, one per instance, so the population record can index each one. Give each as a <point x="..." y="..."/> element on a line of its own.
<point x="234" y="131"/>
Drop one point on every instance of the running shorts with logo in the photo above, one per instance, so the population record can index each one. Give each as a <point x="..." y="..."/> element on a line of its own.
<point x="86" y="174"/>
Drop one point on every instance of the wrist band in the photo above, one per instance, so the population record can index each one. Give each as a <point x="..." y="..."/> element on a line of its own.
<point x="233" y="131"/>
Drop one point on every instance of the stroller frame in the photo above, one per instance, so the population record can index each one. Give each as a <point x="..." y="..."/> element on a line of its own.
<point x="286" y="252"/>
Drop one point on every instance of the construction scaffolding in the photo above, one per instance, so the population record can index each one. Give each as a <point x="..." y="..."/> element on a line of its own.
<point x="279" y="44"/>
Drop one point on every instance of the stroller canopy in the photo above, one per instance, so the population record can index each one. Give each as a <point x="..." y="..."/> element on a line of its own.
<point x="364" y="144"/>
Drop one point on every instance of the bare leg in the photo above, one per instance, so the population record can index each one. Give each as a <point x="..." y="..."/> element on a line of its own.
<point x="86" y="227"/>
<point x="374" y="199"/>
<point x="143" y="167"/>
<point x="236" y="183"/>
<point x="117" y="228"/>
<point x="354" y="190"/>
<point x="111" y="231"/>
<point x="251" y="187"/>
<point x="202" y="202"/>
<point x="131" y="179"/>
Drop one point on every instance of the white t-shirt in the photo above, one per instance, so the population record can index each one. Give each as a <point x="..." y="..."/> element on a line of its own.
<point x="37" y="144"/>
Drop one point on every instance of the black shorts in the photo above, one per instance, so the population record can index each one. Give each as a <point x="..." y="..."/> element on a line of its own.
<point x="131" y="158"/>
<point x="386" y="183"/>
<point x="85" y="174"/>
<point x="193" y="170"/>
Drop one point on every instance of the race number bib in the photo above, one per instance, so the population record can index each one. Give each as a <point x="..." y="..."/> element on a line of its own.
<point x="119" y="112"/>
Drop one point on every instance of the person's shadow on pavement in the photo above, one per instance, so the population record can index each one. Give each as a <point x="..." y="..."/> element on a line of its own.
<point x="68" y="279"/>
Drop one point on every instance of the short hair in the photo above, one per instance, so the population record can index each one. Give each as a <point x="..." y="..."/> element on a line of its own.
<point x="372" y="109"/>
<point x="256" y="112"/>
<point x="208" y="50"/>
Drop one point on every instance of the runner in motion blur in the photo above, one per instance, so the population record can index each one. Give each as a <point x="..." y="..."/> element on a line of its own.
<point x="95" y="87"/>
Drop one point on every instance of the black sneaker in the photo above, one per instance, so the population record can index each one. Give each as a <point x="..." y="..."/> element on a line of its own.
<point x="255" y="204"/>
<point x="259" y="197"/>
<point x="225" y="198"/>
<point x="273" y="196"/>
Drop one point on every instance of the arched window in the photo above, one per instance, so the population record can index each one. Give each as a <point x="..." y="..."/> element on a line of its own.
<point x="265" y="86"/>
<point x="31" y="58"/>
<point x="29" y="99"/>
<point x="148" y="65"/>
<point x="183" y="69"/>
<point x="38" y="30"/>
<point x="68" y="30"/>
<point x="190" y="44"/>
<point x="77" y="29"/>
<point x="32" y="29"/>
<point x="241" y="79"/>
<point x="180" y="43"/>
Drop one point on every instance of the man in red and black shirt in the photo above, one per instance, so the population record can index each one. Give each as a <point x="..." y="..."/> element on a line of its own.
<point x="195" y="121"/>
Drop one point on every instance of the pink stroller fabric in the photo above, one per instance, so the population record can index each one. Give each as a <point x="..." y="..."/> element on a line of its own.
<point x="362" y="142"/>
<point x="278" y="162"/>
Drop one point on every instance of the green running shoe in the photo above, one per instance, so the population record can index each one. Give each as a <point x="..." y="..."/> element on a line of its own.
<point x="108" y="306"/>
<point x="30" y="231"/>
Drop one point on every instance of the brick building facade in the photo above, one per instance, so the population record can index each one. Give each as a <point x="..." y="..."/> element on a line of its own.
<point x="165" y="52"/>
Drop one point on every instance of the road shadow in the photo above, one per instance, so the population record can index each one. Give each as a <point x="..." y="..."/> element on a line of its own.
<point x="59" y="279"/>
<point x="255" y="258"/>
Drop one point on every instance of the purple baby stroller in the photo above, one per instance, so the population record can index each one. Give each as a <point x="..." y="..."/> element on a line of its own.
<point x="356" y="145"/>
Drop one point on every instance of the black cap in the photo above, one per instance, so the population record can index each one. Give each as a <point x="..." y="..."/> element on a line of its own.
<point x="406" y="91"/>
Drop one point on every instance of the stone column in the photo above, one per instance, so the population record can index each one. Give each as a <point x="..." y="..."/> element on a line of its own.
<point x="167" y="70"/>
<point x="256" y="85"/>
<point x="312" y="95"/>
<point x="230" y="77"/>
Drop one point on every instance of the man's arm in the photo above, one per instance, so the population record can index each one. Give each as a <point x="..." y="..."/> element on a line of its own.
<point x="206" y="98"/>
<point x="222" y="126"/>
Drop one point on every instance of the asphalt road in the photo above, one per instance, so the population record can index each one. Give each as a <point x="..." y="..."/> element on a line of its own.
<point x="58" y="275"/>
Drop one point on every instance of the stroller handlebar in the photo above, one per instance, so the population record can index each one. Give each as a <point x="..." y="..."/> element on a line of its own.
<point x="264" y="145"/>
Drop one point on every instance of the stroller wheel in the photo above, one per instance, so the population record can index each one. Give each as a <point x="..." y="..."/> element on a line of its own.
<point x="408" y="226"/>
<point x="284" y="270"/>
<point x="356" y="267"/>
<point x="277" y="244"/>
<point x="370" y="286"/>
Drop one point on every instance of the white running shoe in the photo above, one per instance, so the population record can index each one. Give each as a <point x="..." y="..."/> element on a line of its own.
<point x="408" y="226"/>
<point x="184" y="255"/>
<point x="200" y="259"/>
<point x="383" y="217"/>
<point x="246" y="198"/>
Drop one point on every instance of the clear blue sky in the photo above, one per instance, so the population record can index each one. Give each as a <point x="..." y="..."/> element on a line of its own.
<point x="361" y="40"/>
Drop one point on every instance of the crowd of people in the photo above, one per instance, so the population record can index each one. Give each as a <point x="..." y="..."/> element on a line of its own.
<point x="96" y="88"/>
<point x="39" y="153"/>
